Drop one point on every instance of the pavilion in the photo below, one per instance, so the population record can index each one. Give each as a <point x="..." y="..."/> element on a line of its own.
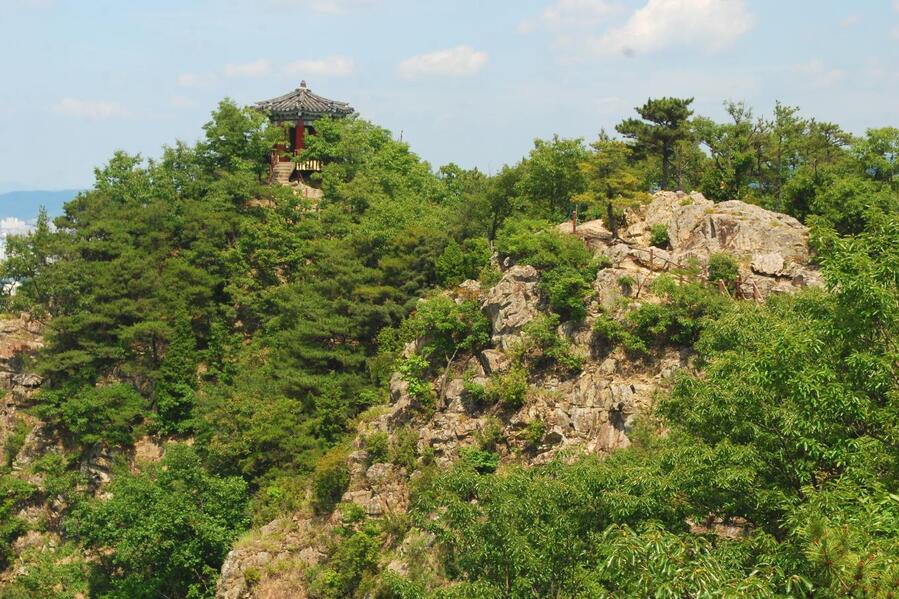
<point x="298" y="110"/>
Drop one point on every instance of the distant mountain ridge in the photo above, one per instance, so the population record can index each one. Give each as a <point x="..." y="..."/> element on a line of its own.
<point x="24" y="205"/>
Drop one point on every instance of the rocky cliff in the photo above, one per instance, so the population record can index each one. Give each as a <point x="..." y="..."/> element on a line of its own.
<point x="590" y="411"/>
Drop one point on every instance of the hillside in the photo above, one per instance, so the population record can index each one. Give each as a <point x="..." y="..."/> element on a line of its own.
<point x="433" y="383"/>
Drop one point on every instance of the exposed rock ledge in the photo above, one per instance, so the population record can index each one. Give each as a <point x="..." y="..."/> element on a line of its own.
<point x="591" y="412"/>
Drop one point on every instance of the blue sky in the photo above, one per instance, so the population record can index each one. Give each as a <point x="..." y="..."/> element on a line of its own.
<point x="465" y="81"/>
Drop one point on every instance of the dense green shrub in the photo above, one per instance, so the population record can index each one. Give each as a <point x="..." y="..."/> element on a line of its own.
<point x="458" y="263"/>
<point x="404" y="448"/>
<point x="538" y="243"/>
<point x="567" y="291"/>
<point x="509" y="388"/>
<point x="542" y="346"/>
<point x="105" y="414"/>
<point x="610" y="331"/>
<point x="479" y="460"/>
<point x="163" y="532"/>
<point x="490" y="434"/>
<point x="329" y="481"/>
<point x="15" y="492"/>
<point x="679" y="319"/>
<point x="534" y="433"/>
<point x="377" y="446"/>
<point x="723" y="267"/>
<point x="658" y="236"/>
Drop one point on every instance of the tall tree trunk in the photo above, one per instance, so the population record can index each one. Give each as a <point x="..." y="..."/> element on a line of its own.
<point x="666" y="165"/>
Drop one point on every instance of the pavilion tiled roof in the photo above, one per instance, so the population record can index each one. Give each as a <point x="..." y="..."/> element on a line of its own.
<point x="302" y="103"/>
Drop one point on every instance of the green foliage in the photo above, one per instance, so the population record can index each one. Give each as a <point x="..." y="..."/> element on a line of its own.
<point x="329" y="481"/>
<point x="510" y="388"/>
<point x="551" y="176"/>
<point x="404" y="448"/>
<point x="534" y="433"/>
<point x="723" y="267"/>
<point x="15" y="440"/>
<point x="612" y="181"/>
<point x="658" y="235"/>
<point x="377" y="445"/>
<point x="458" y="263"/>
<point x="163" y="532"/>
<point x="108" y="414"/>
<point x="413" y="370"/>
<point x="479" y="460"/>
<point x="490" y="435"/>
<point x="59" y="574"/>
<point x="610" y="331"/>
<point x="662" y="124"/>
<point x="542" y="347"/>
<point x="447" y="328"/>
<point x="567" y="290"/>
<point x="538" y="243"/>
<point x="15" y="493"/>
<point x="174" y="391"/>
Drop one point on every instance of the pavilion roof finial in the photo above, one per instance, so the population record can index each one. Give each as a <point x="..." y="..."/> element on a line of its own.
<point x="303" y="84"/>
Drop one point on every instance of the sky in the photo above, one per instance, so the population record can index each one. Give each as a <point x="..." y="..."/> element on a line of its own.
<point x="470" y="82"/>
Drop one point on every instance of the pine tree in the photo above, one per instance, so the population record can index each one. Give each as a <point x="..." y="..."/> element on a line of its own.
<point x="664" y="124"/>
<point x="612" y="183"/>
<point x="177" y="375"/>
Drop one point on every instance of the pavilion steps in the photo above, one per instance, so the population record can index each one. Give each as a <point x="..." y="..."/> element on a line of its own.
<point x="282" y="171"/>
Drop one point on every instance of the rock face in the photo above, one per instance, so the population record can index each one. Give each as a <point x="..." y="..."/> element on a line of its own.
<point x="512" y="303"/>
<point x="592" y="411"/>
<point x="772" y="248"/>
<point x="20" y="338"/>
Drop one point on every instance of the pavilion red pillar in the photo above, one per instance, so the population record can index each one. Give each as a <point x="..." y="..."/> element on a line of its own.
<point x="299" y="136"/>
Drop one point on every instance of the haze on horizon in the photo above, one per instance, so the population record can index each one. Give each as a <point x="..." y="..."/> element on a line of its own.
<point x="468" y="82"/>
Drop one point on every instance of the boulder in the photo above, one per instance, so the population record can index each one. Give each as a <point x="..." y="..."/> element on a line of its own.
<point x="512" y="303"/>
<point x="699" y="227"/>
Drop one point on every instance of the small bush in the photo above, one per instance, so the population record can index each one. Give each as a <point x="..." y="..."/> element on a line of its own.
<point x="413" y="370"/>
<point x="510" y="388"/>
<point x="538" y="243"/>
<point x="489" y="276"/>
<point x="482" y="462"/>
<point x="658" y="236"/>
<point x="476" y="392"/>
<point x="610" y="331"/>
<point x="490" y="435"/>
<point x="534" y="433"/>
<point x="544" y="347"/>
<point x="15" y="441"/>
<point x="251" y="576"/>
<point x="329" y="482"/>
<point x="723" y="267"/>
<point x="376" y="445"/>
<point x="567" y="290"/>
<point x="404" y="448"/>
<point x="458" y="263"/>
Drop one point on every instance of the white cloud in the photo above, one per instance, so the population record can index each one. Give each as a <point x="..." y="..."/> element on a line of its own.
<point x="257" y="68"/>
<point x="328" y="7"/>
<point x="91" y="110"/>
<point x="819" y="75"/>
<point x="195" y="80"/>
<point x="181" y="102"/>
<point x="461" y="61"/>
<point x="10" y="225"/>
<point x="896" y="5"/>
<point x="572" y="14"/>
<point x="564" y="16"/>
<point x="661" y="24"/>
<point x="331" y="66"/>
